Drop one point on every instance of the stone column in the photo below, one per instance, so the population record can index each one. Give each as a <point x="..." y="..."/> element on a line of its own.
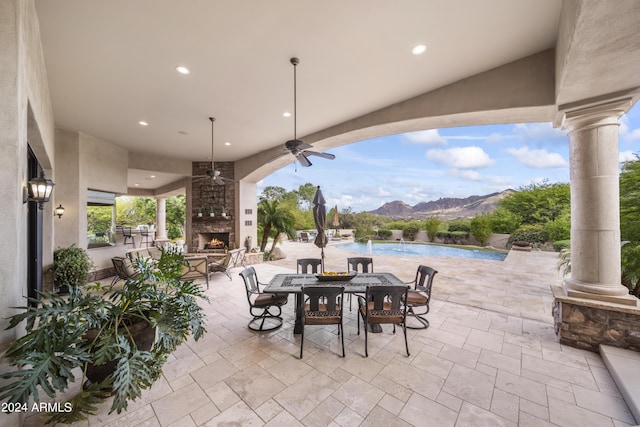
<point x="161" y="218"/>
<point x="595" y="201"/>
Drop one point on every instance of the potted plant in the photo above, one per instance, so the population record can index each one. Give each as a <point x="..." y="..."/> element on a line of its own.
<point x="70" y="267"/>
<point x="224" y="211"/>
<point x="199" y="212"/>
<point x="93" y="330"/>
<point x="211" y="212"/>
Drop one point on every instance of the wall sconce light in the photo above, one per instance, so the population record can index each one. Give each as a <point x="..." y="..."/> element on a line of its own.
<point x="59" y="211"/>
<point x="39" y="190"/>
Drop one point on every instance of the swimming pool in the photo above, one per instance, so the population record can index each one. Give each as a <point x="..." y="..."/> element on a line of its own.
<point x="403" y="249"/>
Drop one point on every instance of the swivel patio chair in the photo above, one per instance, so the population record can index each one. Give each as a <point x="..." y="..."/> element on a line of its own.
<point x="323" y="306"/>
<point x="383" y="304"/>
<point x="420" y="295"/>
<point x="304" y="264"/>
<point x="266" y="308"/>
<point x="361" y="265"/>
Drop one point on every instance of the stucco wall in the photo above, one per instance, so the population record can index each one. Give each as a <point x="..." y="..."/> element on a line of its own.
<point x="23" y="85"/>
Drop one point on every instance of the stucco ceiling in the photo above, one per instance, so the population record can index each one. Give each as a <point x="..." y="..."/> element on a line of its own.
<point x="112" y="63"/>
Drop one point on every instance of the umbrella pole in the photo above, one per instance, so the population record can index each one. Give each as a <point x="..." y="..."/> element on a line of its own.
<point x="322" y="257"/>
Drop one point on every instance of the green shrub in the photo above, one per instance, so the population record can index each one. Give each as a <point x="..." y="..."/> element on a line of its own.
<point x="459" y="226"/>
<point x="459" y="237"/>
<point x="481" y="228"/>
<point x="530" y="233"/>
<point x="630" y="262"/>
<point x="559" y="245"/>
<point x="559" y="229"/>
<point x="410" y="230"/>
<point x="385" y="234"/>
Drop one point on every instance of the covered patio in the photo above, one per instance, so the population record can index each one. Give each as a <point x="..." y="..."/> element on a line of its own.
<point x="78" y="83"/>
<point x="489" y="358"/>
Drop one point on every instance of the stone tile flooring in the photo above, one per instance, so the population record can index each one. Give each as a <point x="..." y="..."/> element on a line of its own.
<point x="489" y="358"/>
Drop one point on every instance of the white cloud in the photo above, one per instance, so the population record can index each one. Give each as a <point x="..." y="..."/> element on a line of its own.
<point x="538" y="131"/>
<point x="626" y="156"/>
<point x="540" y="159"/>
<point x="429" y="137"/>
<point x="469" y="174"/>
<point x="461" y="157"/>
<point x="382" y="192"/>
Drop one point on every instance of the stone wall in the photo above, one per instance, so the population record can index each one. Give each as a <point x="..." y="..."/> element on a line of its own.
<point x="586" y="324"/>
<point x="206" y="196"/>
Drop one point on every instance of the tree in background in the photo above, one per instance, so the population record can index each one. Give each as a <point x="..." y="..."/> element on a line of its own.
<point x="504" y="221"/>
<point x="538" y="203"/>
<point x="306" y="193"/>
<point x="480" y="228"/>
<point x="432" y="225"/>
<point x="630" y="200"/>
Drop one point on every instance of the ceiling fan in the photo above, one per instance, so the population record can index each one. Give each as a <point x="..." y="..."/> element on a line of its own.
<point x="297" y="147"/>
<point x="211" y="173"/>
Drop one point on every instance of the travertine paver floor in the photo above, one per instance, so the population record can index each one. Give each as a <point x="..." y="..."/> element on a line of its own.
<point x="489" y="358"/>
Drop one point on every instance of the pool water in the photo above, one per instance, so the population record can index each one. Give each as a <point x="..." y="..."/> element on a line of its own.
<point x="403" y="249"/>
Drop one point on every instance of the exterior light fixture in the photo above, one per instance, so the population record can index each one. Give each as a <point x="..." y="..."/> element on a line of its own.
<point x="39" y="190"/>
<point x="59" y="211"/>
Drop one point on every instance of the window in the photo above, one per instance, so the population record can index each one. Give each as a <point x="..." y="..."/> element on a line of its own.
<point x="101" y="219"/>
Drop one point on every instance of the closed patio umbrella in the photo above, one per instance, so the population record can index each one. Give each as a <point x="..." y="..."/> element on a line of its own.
<point x="320" y="218"/>
<point x="336" y="218"/>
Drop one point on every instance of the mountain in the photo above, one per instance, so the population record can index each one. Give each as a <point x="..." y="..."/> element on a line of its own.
<point x="445" y="208"/>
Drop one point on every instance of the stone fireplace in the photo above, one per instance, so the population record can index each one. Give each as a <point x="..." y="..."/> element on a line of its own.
<point x="208" y="197"/>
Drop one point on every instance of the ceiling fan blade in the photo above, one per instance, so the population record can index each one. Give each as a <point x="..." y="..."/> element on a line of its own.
<point x="327" y="156"/>
<point x="302" y="159"/>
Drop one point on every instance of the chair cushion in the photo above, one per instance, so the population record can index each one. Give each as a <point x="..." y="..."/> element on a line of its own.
<point x="386" y="315"/>
<point x="266" y="299"/>
<point x="414" y="297"/>
<point x="322" y="316"/>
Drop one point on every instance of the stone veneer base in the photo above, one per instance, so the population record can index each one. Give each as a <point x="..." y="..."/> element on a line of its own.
<point x="588" y="323"/>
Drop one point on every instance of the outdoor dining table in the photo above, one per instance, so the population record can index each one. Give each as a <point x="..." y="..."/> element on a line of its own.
<point x="293" y="283"/>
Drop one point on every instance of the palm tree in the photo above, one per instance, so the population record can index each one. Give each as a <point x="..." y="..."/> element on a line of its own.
<point x="273" y="216"/>
<point x="283" y="222"/>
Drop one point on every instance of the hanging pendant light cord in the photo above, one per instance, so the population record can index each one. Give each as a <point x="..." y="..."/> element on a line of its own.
<point x="212" y="120"/>
<point x="295" y="62"/>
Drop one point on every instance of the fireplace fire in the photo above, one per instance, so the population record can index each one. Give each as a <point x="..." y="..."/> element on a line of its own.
<point x="214" y="244"/>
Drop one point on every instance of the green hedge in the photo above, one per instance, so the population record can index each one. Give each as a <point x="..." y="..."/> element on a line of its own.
<point x="530" y="233"/>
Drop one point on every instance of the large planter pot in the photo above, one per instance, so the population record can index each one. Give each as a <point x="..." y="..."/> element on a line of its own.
<point x="143" y="334"/>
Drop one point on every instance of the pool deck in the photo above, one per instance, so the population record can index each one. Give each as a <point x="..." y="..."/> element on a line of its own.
<point x="518" y="286"/>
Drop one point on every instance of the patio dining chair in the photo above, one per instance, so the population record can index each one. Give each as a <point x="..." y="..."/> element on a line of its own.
<point x="306" y="264"/>
<point x="126" y="233"/>
<point x="420" y="295"/>
<point x="361" y="265"/>
<point x="266" y="308"/>
<point x="323" y="306"/>
<point x="380" y="305"/>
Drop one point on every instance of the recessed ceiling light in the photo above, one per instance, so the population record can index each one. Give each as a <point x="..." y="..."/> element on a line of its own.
<point x="152" y="176"/>
<point x="143" y="123"/>
<point x="419" y="49"/>
<point x="182" y="70"/>
<point x="286" y="114"/>
<point x="136" y="184"/>
<point x="227" y="143"/>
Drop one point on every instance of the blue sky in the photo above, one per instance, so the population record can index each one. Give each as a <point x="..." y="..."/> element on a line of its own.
<point x="450" y="162"/>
